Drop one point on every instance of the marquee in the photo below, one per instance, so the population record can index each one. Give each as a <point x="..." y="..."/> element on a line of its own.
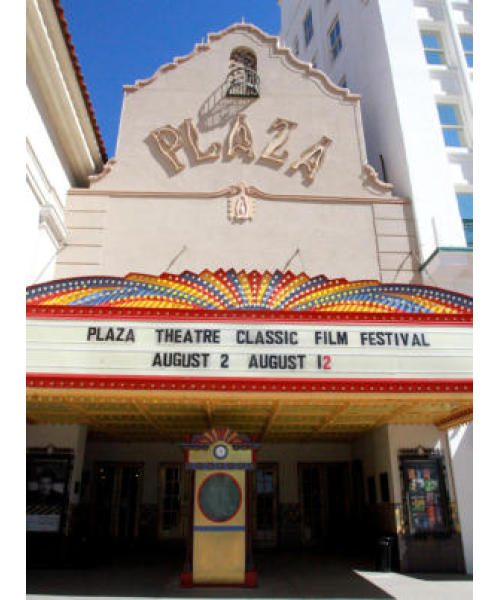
<point x="363" y="352"/>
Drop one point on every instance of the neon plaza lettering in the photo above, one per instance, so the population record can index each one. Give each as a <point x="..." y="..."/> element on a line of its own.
<point x="170" y="140"/>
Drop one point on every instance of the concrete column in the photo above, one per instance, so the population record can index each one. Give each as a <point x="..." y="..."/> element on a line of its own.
<point x="460" y="443"/>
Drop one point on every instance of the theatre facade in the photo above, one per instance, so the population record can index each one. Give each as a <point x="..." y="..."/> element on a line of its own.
<point x="237" y="353"/>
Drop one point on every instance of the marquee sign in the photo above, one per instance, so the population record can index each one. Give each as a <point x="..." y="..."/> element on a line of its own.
<point x="258" y="350"/>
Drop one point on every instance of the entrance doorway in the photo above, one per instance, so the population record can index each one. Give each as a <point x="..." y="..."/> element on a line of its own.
<point x="265" y="506"/>
<point x="117" y="493"/>
<point x="174" y="501"/>
<point x="325" y="504"/>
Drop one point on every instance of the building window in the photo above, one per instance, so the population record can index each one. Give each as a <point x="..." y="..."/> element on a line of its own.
<point x="451" y="124"/>
<point x="314" y="62"/>
<point x="467" y="46"/>
<point x="308" y="27"/>
<point x="465" y="202"/>
<point x="433" y="48"/>
<point x="296" y="47"/>
<point x="242" y="79"/>
<point x="343" y="82"/>
<point x="335" y="38"/>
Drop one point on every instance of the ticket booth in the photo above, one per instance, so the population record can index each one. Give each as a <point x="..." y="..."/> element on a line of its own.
<point x="220" y="549"/>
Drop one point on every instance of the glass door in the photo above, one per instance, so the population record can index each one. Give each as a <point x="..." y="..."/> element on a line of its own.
<point x="173" y="501"/>
<point x="116" y="499"/>
<point x="265" y="511"/>
<point x="312" y="500"/>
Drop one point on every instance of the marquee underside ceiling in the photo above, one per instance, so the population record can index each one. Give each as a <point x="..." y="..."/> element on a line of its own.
<point x="169" y="416"/>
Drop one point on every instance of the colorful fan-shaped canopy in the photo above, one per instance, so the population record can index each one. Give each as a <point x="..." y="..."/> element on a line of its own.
<point x="231" y="290"/>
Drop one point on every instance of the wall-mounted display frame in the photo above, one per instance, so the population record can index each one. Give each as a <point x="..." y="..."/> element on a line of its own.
<point x="426" y="501"/>
<point x="48" y="473"/>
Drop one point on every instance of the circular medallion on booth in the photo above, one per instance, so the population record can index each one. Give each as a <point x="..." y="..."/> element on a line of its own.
<point x="219" y="497"/>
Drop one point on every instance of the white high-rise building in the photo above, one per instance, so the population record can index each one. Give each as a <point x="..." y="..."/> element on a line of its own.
<point x="412" y="63"/>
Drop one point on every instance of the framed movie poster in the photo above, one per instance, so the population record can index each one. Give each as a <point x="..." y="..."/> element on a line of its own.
<point x="426" y="498"/>
<point x="47" y="477"/>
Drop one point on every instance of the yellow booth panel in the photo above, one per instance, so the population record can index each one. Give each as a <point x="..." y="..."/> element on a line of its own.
<point x="219" y="557"/>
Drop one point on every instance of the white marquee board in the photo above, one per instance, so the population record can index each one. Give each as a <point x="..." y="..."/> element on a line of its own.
<point x="251" y="350"/>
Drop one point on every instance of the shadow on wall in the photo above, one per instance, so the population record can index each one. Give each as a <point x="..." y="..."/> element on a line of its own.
<point x="218" y="109"/>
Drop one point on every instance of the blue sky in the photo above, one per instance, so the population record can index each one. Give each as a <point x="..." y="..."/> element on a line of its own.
<point x="119" y="41"/>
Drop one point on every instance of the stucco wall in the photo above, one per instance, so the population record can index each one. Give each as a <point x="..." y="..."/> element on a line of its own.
<point x="115" y="236"/>
<point x="373" y="449"/>
<point x="343" y="222"/>
<point x="193" y="89"/>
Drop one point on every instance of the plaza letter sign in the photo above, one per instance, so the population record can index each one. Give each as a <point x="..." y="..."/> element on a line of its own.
<point x="247" y="350"/>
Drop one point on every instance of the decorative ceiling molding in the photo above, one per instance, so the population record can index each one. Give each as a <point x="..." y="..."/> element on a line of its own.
<point x="271" y="40"/>
<point x="170" y="413"/>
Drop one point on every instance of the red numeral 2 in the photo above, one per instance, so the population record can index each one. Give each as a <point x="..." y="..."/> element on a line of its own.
<point x="324" y="361"/>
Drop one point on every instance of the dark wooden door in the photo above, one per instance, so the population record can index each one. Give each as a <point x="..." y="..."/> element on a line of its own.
<point x="325" y="500"/>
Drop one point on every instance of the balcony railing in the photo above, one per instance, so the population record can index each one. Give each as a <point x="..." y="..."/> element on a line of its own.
<point x="242" y="82"/>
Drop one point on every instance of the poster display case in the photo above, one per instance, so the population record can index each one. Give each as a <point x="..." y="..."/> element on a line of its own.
<point x="47" y="480"/>
<point x="425" y="496"/>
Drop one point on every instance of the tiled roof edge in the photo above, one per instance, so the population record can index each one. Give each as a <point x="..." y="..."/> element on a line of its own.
<point x="79" y="75"/>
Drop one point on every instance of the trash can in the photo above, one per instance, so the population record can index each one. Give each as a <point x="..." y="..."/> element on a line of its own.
<point x="385" y="550"/>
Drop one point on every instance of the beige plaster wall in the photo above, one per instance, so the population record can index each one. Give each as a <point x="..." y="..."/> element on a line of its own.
<point x="373" y="449"/>
<point x="193" y="90"/>
<point x="344" y="223"/>
<point x="119" y="235"/>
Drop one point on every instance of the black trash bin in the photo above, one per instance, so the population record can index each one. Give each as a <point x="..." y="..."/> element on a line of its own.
<point x="385" y="553"/>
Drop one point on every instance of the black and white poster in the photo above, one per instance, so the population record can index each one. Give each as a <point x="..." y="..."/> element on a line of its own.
<point x="46" y="492"/>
